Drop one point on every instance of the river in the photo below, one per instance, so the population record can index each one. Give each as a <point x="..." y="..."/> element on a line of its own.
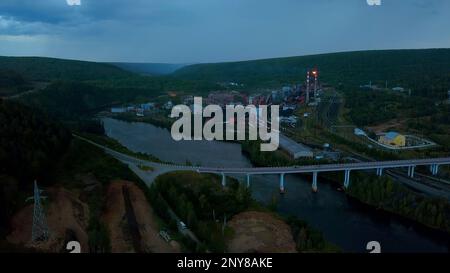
<point x="343" y="222"/>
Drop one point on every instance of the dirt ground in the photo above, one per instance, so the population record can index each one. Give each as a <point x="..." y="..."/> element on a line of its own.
<point x="392" y="125"/>
<point x="261" y="233"/>
<point x="115" y="220"/>
<point x="65" y="213"/>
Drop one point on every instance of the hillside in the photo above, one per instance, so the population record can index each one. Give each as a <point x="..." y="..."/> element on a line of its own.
<point x="30" y="146"/>
<point x="69" y="100"/>
<point x="12" y="82"/>
<point x="46" y="69"/>
<point x="149" y="68"/>
<point x="409" y="68"/>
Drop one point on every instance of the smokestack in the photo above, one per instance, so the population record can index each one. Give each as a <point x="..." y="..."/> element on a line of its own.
<point x="307" y="87"/>
<point x="315" y="83"/>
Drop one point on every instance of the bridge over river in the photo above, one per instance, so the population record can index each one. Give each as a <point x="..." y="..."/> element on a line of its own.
<point x="379" y="166"/>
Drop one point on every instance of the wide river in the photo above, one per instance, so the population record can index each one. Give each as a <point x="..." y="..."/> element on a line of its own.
<point x="343" y="222"/>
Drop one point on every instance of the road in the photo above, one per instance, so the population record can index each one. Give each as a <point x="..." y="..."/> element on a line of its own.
<point x="38" y="87"/>
<point x="425" y="184"/>
<point x="161" y="168"/>
<point x="329" y="167"/>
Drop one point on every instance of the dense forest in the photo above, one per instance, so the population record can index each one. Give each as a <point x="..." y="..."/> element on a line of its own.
<point x="12" y="82"/>
<point x="47" y="69"/>
<point x="381" y="105"/>
<point x="30" y="146"/>
<point x="29" y="141"/>
<point x="149" y="68"/>
<point x="427" y="71"/>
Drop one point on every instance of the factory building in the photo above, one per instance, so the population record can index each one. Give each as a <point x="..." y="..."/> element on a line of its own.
<point x="294" y="149"/>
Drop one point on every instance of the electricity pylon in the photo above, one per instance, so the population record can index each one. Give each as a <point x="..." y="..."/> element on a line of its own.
<point x="40" y="229"/>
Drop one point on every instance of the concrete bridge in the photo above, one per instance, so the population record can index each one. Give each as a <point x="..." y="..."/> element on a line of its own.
<point x="378" y="166"/>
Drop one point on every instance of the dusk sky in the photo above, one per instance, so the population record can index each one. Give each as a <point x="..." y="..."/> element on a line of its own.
<point x="187" y="31"/>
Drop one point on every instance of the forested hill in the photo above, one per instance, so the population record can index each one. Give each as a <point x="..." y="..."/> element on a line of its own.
<point x="149" y="68"/>
<point x="30" y="147"/>
<point x="12" y="82"/>
<point x="46" y="69"/>
<point x="409" y="68"/>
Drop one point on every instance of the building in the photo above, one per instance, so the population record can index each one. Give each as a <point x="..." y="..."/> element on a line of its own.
<point x="359" y="132"/>
<point x="168" y="105"/>
<point x="140" y="112"/>
<point x="393" y="139"/>
<point x="226" y="98"/>
<point x="286" y="91"/>
<point x="291" y="121"/>
<point x="294" y="149"/>
<point x="187" y="100"/>
<point x="287" y="110"/>
<point x="147" y="106"/>
<point x="117" y="110"/>
<point x="398" y="89"/>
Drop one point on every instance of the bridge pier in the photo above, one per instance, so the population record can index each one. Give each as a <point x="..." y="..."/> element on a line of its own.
<point x="224" y="180"/>
<point x="411" y="171"/>
<point x="379" y="171"/>
<point x="248" y="180"/>
<point x="347" y="179"/>
<point x="282" y="183"/>
<point x="434" y="169"/>
<point x="314" y="183"/>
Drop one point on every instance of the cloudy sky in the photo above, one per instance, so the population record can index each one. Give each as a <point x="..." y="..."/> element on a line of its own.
<point x="186" y="31"/>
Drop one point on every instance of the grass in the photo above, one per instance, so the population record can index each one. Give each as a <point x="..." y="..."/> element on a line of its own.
<point x="146" y="168"/>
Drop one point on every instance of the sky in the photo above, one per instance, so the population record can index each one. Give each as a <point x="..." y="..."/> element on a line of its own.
<point x="194" y="31"/>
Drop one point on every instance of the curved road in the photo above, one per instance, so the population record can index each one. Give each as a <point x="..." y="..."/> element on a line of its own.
<point x="161" y="168"/>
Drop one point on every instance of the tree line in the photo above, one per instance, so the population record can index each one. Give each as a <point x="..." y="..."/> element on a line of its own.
<point x="382" y="192"/>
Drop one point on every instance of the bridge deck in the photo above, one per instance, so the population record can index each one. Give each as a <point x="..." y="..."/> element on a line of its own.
<point x="329" y="167"/>
<point x="278" y="170"/>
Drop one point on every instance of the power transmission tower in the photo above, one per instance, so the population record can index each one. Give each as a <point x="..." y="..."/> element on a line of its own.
<point x="40" y="229"/>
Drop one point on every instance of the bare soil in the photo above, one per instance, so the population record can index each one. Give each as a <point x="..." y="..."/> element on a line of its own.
<point x="116" y="221"/>
<point x="392" y="125"/>
<point x="260" y="232"/>
<point x="65" y="214"/>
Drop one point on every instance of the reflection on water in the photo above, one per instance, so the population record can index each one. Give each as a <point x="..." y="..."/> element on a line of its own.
<point x="141" y="137"/>
<point x="343" y="222"/>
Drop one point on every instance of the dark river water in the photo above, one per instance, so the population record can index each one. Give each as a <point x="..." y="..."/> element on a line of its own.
<point x="343" y="222"/>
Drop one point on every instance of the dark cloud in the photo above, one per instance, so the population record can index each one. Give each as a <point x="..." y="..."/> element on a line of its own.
<point x="216" y="30"/>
